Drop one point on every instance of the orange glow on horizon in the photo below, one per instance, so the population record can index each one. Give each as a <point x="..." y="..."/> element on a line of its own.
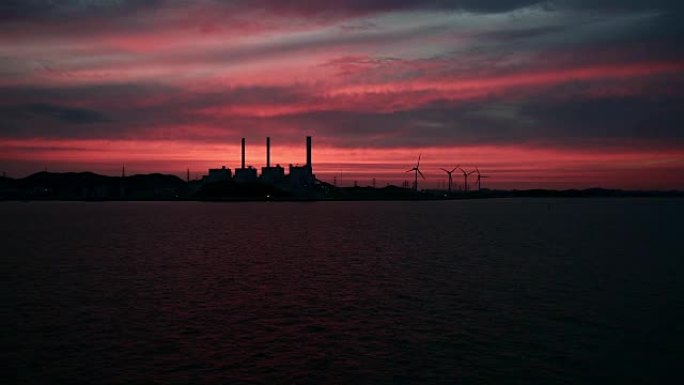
<point x="508" y="166"/>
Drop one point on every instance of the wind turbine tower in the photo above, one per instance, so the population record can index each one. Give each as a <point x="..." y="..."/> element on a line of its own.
<point x="449" y="173"/>
<point x="465" y="178"/>
<point x="479" y="178"/>
<point x="417" y="171"/>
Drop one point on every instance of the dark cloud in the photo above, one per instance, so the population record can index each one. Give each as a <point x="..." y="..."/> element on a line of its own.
<point x="110" y="110"/>
<point x="51" y="120"/>
<point x="571" y="123"/>
<point x="365" y="6"/>
<point x="617" y="5"/>
<point x="617" y="117"/>
<point x="522" y="33"/>
<point x="95" y="94"/>
<point x="563" y="115"/>
<point x="126" y="110"/>
<point x="51" y="9"/>
<point x="57" y="112"/>
<point x="27" y="9"/>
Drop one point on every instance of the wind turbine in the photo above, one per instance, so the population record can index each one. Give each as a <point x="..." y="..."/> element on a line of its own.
<point x="449" y="173"/>
<point x="479" y="177"/>
<point x="417" y="171"/>
<point x="465" y="178"/>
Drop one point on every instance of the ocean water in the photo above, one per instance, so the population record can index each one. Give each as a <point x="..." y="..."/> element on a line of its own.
<point x="506" y="291"/>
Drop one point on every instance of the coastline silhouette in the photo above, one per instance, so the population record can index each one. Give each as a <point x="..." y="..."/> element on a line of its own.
<point x="245" y="184"/>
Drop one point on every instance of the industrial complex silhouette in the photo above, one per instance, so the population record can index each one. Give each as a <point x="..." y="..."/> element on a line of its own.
<point x="272" y="183"/>
<point x="299" y="178"/>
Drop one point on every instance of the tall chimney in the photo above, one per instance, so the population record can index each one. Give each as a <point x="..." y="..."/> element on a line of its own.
<point x="308" y="151"/>
<point x="268" y="151"/>
<point x="243" y="152"/>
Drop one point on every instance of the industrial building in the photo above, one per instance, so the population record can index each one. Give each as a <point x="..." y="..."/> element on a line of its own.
<point x="298" y="178"/>
<point x="269" y="174"/>
<point x="245" y="174"/>
<point x="217" y="175"/>
<point x="302" y="176"/>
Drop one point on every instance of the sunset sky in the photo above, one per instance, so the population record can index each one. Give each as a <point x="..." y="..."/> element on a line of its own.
<point x="554" y="94"/>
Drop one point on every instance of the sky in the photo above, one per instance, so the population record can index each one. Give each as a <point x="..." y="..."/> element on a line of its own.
<point x="535" y="94"/>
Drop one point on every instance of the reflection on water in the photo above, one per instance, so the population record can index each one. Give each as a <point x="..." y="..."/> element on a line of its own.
<point x="498" y="291"/>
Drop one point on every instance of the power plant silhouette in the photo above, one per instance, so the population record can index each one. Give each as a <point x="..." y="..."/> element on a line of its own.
<point x="302" y="178"/>
<point x="245" y="182"/>
<point x="298" y="178"/>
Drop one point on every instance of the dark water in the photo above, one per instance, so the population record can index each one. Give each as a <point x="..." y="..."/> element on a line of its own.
<point x="495" y="292"/>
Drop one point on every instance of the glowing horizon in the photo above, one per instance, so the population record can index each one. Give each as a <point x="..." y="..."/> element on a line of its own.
<point x="520" y="169"/>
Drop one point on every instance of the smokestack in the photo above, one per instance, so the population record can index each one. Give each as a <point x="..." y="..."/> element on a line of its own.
<point x="268" y="151"/>
<point x="308" y="151"/>
<point x="243" y="152"/>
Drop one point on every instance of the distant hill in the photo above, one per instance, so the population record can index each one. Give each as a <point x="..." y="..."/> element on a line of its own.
<point x="91" y="186"/>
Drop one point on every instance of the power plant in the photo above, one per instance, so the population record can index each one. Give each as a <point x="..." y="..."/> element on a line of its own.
<point x="270" y="182"/>
<point x="300" y="181"/>
<point x="271" y="175"/>
<point x="298" y="178"/>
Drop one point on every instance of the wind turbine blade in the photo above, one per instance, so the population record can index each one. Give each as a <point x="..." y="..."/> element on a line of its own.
<point x="444" y="170"/>
<point x="410" y="170"/>
<point x="421" y="174"/>
<point x="454" y="169"/>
